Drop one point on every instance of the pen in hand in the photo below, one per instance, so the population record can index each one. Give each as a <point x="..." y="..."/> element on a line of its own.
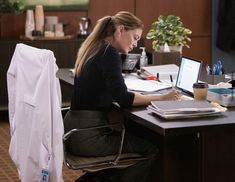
<point x="157" y="77"/>
<point x="172" y="84"/>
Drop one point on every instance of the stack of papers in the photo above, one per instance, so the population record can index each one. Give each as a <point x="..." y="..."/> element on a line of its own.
<point x="183" y="109"/>
<point x="164" y="71"/>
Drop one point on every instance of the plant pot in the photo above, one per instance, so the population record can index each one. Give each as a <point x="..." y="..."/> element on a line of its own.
<point x="172" y="49"/>
<point x="176" y="49"/>
<point x="159" y="58"/>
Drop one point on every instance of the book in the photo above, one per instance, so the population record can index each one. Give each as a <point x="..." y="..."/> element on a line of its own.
<point x="222" y="96"/>
<point x="183" y="109"/>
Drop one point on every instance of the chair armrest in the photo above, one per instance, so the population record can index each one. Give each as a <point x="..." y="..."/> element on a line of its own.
<point x="72" y="131"/>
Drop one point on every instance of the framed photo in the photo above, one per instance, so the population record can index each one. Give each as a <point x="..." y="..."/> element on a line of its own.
<point x="59" y="4"/>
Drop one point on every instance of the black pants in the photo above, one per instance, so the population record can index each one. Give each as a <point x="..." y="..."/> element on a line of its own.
<point x="102" y="142"/>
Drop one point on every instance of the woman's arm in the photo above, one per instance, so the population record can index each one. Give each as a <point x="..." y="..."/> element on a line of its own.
<point x="146" y="99"/>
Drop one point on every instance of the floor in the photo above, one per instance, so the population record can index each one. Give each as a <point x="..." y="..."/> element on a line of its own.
<point x="8" y="172"/>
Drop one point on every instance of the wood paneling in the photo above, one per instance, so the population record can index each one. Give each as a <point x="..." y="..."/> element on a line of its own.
<point x="13" y="25"/>
<point x="196" y="15"/>
<point x="200" y="48"/>
<point x="102" y="8"/>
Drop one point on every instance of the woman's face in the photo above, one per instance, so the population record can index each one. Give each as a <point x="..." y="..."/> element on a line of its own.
<point x="126" y="40"/>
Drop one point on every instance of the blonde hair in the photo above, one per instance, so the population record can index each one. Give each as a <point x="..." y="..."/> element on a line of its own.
<point x="104" y="27"/>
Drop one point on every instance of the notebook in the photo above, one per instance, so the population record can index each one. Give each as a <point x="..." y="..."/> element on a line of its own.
<point x="183" y="109"/>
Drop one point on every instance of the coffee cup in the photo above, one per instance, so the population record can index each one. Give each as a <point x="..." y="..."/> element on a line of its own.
<point x="200" y="91"/>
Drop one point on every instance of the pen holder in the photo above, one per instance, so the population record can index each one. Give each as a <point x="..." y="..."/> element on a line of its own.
<point x="215" y="79"/>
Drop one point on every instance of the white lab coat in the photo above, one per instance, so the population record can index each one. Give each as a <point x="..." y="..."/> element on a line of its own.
<point x="36" y="123"/>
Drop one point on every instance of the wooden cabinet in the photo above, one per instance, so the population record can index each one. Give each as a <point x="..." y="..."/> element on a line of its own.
<point x="65" y="52"/>
<point x="218" y="156"/>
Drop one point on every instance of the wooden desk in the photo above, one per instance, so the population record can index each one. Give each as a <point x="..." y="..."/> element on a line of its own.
<point x="195" y="150"/>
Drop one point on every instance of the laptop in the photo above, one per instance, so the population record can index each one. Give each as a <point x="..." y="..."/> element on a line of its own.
<point x="188" y="74"/>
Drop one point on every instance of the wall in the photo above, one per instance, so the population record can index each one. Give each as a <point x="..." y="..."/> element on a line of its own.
<point x="196" y="15"/>
<point x="228" y="59"/>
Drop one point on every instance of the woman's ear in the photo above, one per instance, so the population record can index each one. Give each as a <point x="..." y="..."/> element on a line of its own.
<point x="120" y="29"/>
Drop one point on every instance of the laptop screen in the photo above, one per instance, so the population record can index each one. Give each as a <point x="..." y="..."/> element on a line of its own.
<point x="188" y="74"/>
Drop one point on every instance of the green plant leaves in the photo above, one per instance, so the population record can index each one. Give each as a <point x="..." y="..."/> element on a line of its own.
<point x="12" y="6"/>
<point x="168" y="29"/>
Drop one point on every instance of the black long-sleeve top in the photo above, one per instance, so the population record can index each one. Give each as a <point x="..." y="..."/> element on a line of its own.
<point x="100" y="83"/>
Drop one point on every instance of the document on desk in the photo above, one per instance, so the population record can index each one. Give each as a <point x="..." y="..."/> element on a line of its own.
<point x="145" y="85"/>
<point x="164" y="71"/>
<point x="183" y="109"/>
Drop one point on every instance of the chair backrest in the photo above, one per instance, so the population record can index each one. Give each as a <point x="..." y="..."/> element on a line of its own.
<point x="36" y="122"/>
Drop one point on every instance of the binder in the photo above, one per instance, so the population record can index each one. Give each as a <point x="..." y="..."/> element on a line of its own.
<point x="183" y="109"/>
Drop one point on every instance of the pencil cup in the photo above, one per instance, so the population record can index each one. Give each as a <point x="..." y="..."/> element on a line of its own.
<point x="200" y="91"/>
<point x="215" y="79"/>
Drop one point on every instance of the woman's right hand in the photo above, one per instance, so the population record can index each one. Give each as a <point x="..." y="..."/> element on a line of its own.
<point x="172" y="95"/>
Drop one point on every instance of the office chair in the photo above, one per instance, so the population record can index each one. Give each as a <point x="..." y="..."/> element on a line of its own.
<point x="36" y="123"/>
<point x="94" y="164"/>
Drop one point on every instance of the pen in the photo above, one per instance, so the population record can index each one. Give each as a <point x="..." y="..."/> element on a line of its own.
<point x="208" y="70"/>
<point x="172" y="81"/>
<point x="157" y="78"/>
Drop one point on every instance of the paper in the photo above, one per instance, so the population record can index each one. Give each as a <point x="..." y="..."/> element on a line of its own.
<point x="164" y="71"/>
<point x="144" y="85"/>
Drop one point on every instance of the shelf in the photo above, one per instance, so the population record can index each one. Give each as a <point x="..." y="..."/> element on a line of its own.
<point x="22" y="37"/>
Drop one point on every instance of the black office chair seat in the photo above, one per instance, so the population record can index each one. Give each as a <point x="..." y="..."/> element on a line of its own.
<point x="93" y="164"/>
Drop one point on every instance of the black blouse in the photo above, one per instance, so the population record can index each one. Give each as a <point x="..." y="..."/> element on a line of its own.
<point x="101" y="83"/>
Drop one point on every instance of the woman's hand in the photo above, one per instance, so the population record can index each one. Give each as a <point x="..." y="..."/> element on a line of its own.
<point x="172" y="95"/>
<point x="146" y="99"/>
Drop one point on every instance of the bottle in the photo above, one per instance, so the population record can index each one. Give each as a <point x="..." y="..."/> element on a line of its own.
<point x="143" y="58"/>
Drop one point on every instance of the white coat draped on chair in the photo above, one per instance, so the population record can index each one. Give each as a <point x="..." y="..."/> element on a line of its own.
<point x="36" y="123"/>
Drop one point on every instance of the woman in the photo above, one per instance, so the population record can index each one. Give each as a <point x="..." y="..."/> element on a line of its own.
<point x="98" y="83"/>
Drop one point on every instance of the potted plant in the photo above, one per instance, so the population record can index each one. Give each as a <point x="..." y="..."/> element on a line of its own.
<point x="16" y="6"/>
<point x="169" y="30"/>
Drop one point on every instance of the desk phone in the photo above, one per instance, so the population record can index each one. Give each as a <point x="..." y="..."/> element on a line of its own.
<point x="130" y="62"/>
